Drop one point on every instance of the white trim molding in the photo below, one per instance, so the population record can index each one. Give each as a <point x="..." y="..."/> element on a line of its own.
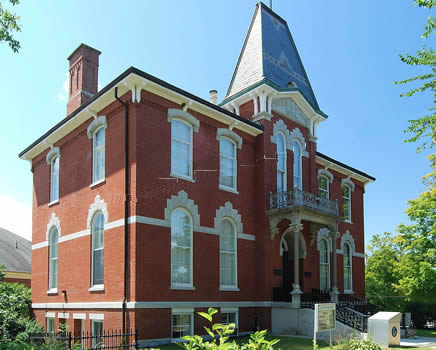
<point x="50" y="314"/>
<point x="280" y="127"/>
<point x="187" y="117"/>
<point x="96" y="316"/>
<point x="230" y="134"/>
<point x="65" y="315"/>
<point x="323" y="233"/>
<point x="79" y="316"/>
<point x="327" y="174"/>
<point x="182" y="201"/>
<point x="228" y="211"/>
<point x="348" y="182"/>
<point x="297" y="135"/>
<point x="96" y="123"/>
<point x="55" y="152"/>
<point x="98" y="205"/>
<point x="53" y="222"/>
<point x="347" y="237"/>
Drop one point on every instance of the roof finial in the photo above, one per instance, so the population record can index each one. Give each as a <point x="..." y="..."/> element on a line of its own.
<point x="270" y="4"/>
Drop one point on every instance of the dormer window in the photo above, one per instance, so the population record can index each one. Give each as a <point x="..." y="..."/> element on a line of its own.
<point x="52" y="159"/>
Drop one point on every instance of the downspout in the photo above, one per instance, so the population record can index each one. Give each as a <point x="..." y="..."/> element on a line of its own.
<point x="126" y="202"/>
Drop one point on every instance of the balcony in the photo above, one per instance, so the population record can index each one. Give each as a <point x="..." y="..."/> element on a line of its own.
<point x="299" y="198"/>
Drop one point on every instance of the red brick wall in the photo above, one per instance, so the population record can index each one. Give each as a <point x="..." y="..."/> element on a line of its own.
<point x="24" y="281"/>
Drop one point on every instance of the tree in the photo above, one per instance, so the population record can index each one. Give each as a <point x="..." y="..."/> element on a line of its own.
<point x="424" y="128"/>
<point x="8" y="25"/>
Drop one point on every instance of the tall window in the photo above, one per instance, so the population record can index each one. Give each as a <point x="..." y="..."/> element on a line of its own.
<point x="227" y="163"/>
<point x="98" y="157"/>
<point x="50" y="327"/>
<point x="181" y="325"/>
<point x="228" y="261"/>
<point x="324" y="265"/>
<point x="97" y="233"/>
<point x="229" y="318"/>
<point x="346" y="202"/>
<point x="323" y="187"/>
<point x="53" y="266"/>
<point x="54" y="179"/>
<point x="181" y="148"/>
<point x="181" y="248"/>
<point x="348" y="279"/>
<point x="281" y="163"/>
<point x="97" y="332"/>
<point x="297" y="165"/>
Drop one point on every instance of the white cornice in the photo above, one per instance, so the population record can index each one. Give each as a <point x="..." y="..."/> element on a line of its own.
<point x="340" y="169"/>
<point x="135" y="83"/>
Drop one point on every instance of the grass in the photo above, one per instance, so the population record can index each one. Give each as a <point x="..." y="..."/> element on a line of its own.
<point x="431" y="333"/>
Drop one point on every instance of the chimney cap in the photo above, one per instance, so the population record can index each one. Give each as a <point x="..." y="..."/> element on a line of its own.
<point x="213" y="91"/>
<point x="82" y="45"/>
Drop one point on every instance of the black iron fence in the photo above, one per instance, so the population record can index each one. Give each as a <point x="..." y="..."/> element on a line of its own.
<point x="108" y="339"/>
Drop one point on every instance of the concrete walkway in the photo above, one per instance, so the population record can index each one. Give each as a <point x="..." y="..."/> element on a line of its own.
<point x="419" y="342"/>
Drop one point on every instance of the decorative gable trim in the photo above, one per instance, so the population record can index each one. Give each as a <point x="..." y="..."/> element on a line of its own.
<point x="98" y="205"/>
<point x="228" y="211"/>
<point x="280" y="127"/>
<point x="347" y="181"/>
<point x="52" y="154"/>
<point x="97" y="123"/>
<point x="323" y="233"/>
<point x="53" y="222"/>
<point x="347" y="237"/>
<point x="230" y="134"/>
<point x="326" y="173"/>
<point x="181" y="114"/>
<point x="182" y="200"/>
<point x="297" y="135"/>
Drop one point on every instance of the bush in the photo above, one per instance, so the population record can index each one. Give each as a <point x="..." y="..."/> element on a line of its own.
<point x="355" y="343"/>
<point x="220" y="335"/>
<point x="421" y="313"/>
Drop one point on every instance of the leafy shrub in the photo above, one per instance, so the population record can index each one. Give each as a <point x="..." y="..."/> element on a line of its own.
<point x="355" y="343"/>
<point x="220" y="335"/>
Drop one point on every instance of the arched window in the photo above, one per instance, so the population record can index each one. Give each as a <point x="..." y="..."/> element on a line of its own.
<point x="97" y="233"/>
<point x="181" y="148"/>
<point x="228" y="263"/>
<point x="53" y="253"/>
<point x="324" y="265"/>
<point x="323" y="187"/>
<point x="297" y="165"/>
<point x="227" y="163"/>
<point x="348" y="268"/>
<point x="181" y="248"/>
<point x="346" y="202"/>
<point x="281" y="162"/>
<point x="98" y="154"/>
<point x="54" y="179"/>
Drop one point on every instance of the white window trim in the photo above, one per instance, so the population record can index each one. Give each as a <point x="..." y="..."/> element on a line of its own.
<point x="328" y="262"/>
<point x="348" y="291"/>
<point x="229" y="134"/>
<point x="96" y="287"/>
<point x="50" y="314"/>
<point x="191" y="150"/>
<point x="54" y="289"/>
<point x="301" y="164"/>
<point x="328" y="186"/>
<point x="63" y="315"/>
<point x="96" y="317"/>
<point x="285" y="174"/>
<point x="185" y="117"/>
<point x="235" y="164"/>
<point x="190" y="284"/>
<point x="182" y="311"/>
<point x="225" y="287"/>
<point x="297" y="135"/>
<point x="102" y="179"/>
<point x="51" y="157"/>
<point x="79" y="316"/>
<point x="348" y="220"/>
<point x="98" y="205"/>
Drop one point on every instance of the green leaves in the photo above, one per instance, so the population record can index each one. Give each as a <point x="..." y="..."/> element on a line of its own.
<point x="9" y="23"/>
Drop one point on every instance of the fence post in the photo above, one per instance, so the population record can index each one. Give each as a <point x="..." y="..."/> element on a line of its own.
<point x="136" y="338"/>
<point x="69" y="340"/>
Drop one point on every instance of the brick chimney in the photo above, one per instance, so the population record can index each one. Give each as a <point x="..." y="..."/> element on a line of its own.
<point x="83" y="78"/>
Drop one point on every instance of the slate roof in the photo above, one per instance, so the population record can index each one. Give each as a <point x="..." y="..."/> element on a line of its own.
<point x="269" y="52"/>
<point x="15" y="252"/>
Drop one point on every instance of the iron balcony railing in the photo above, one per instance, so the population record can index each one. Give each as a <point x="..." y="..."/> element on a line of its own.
<point x="298" y="197"/>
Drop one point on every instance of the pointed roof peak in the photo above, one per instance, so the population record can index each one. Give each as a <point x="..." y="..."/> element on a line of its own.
<point x="269" y="53"/>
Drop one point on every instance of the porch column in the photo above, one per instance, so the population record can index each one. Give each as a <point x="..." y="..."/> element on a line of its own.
<point x="296" y="291"/>
<point x="334" y="291"/>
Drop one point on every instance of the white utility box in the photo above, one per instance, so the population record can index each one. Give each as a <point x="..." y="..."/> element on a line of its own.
<point x="384" y="328"/>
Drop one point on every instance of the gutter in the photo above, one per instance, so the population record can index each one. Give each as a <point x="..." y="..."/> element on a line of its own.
<point x="126" y="202"/>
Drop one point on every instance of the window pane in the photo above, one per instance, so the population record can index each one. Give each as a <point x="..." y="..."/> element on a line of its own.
<point x="280" y="184"/>
<point x="181" y="235"/>
<point x="346" y="208"/>
<point x="346" y="191"/>
<point x="180" y="158"/>
<point x="324" y="277"/>
<point x="99" y="137"/>
<point x="227" y="172"/>
<point x="180" y="131"/>
<point x="323" y="252"/>
<point x="181" y="325"/>
<point x="98" y="272"/>
<point x="98" y="249"/>
<point x="227" y="262"/>
<point x="227" y="147"/>
<point x="54" y="194"/>
<point x="53" y="273"/>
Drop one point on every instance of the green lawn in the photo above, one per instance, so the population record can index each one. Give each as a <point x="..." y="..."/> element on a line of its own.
<point x="426" y="333"/>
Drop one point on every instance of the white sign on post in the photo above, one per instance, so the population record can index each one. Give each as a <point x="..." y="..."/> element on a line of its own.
<point x="325" y="319"/>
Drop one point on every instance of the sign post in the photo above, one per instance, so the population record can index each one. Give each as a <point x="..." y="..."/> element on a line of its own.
<point x="325" y="320"/>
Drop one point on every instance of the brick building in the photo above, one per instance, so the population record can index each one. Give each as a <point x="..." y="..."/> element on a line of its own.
<point x="150" y="203"/>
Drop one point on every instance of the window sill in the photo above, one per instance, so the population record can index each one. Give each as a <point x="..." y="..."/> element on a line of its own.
<point x="53" y="291"/>
<point x="348" y="292"/>
<point x="348" y="221"/>
<point x="97" y="288"/>
<point x="56" y="201"/>
<point x="228" y="189"/>
<point x="229" y="289"/>
<point x="182" y="287"/>
<point x="182" y="177"/>
<point x="98" y="182"/>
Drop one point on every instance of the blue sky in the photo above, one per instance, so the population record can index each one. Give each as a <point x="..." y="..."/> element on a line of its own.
<point x="349" y="49"/>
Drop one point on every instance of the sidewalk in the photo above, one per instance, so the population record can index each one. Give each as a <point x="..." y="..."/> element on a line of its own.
<point x="418" y="342"/>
